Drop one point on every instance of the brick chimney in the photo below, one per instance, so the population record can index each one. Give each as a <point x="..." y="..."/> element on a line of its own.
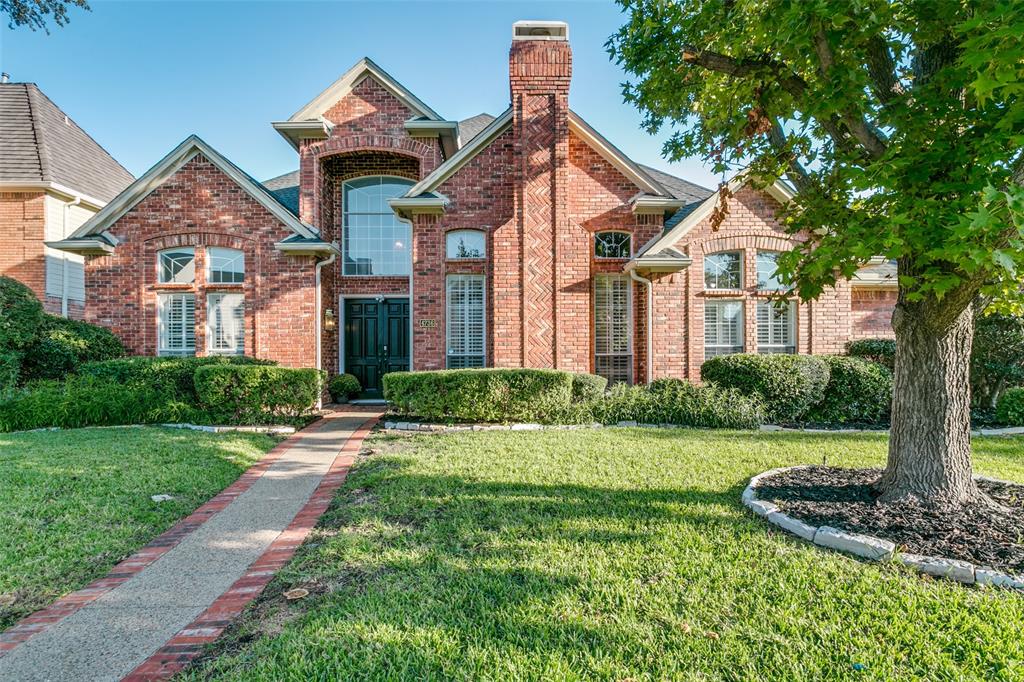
<point x="540" y="68"/>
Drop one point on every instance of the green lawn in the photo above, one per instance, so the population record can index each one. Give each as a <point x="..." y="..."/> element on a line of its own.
<point x="615" y="554"/>
<point x="74" y="503"/>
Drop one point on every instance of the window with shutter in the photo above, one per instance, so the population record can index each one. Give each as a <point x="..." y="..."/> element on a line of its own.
<point x="225" y="324"/>
<point x="723" y="328"/>
<point x="466" y="322"/>
<point x="776" y="331"/>
<point x="177" y="330"/>
<point x="613" y="337"/>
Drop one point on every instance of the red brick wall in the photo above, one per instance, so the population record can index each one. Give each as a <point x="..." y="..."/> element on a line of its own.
<point x="871" y="312"/>
<point x="823" y="326"/>
<point x="22" y="230"/>
<point x="201" y="207"/>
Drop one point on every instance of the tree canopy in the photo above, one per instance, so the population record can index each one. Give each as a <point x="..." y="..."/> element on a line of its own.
<point x="35" y="13"/>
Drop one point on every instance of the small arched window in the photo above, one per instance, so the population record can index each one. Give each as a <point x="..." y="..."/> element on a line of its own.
<point x="613" y="245"/>
<point x="462" y="244"/>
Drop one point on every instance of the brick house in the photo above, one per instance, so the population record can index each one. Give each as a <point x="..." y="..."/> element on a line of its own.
<point x="53" y="177"/>
<point x="406" y="240"/>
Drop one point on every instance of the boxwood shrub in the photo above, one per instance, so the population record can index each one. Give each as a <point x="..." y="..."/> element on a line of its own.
<point x="1010" y="408"/>
<point x="63" y="345"/>
<point x="858" y="392"/>
<point x="882" y="351"/>
<point x="486" y="395"/>
<point x="588" y="386"/>
<point x="253" y="394"/>
<point x="87" y="401"/>
<point x="673" y="401"/>
<point x="343" y="386"/>
<point x="173" y="377"/>
<point x="788" y="385"/>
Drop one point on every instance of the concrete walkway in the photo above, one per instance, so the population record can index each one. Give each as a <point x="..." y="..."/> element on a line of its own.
<point x="109" y="637"/>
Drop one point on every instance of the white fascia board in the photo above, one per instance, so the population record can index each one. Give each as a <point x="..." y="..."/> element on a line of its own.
<point x="646" y="204"/>
<point x="656" y="264"/>
<point x="462" y="157"/>
<point x="295" y="131"/>
<point x="406" y="207"/>
<point x="614" y="156"/>
<point x="307" y="248"/>
<point x="53" y="188"/>
<point x="178" y="157"/>
<point x="446" y="131"/>
<point x="83" y="247"/>
<point x="341" y="87"/>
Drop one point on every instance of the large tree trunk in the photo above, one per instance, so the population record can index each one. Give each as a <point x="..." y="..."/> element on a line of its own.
<point x="930" y="441"/>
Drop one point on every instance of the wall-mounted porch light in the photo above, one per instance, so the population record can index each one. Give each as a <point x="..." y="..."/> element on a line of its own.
<point x="330" y="323"/>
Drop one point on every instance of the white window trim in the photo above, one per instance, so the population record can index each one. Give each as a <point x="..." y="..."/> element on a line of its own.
<point x="788" y="348"/>
<point x="757" y="270"/>
<point x="704" y="275"/>
<point x="209" y="265"/>
<point x="630" y="331"/>
<point x="449" y="233"/>
<point x="160" y="264"/>
<point x="210" y="331"/>
<point x="483" y="317"/>
<point x="625" y="232"/>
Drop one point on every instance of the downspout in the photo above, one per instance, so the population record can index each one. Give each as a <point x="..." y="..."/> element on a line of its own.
<point x="650" y="317"/>
<point x="64" y="258"/>
<point x="319" y="306"/>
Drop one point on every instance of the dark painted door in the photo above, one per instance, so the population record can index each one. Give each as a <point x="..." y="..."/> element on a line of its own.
<point x="376" y="340"/>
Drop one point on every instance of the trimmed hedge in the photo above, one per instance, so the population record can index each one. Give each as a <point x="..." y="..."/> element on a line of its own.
<point x="488" y="395"/>
<point x="86" y="401"/>
<point x="673" y="401"/>
<point x="343" y="386"/>
<point x="63" y="345"/>
<point x="173" y="377"/>
<point x="788" y="385"/>
<point x="257" y="393"/>
<point x="1010" y="408"/>
<point x="588" y="386"/>
<point x="21" y="316"/>
<point x="858" y="392"/>
<point x="882" y="351"/>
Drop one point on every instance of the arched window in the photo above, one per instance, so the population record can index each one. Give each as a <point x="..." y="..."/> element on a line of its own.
<point x="461" y="244"/>
<point x="177" y="265"/>
<point x="613" y="244"/>
<point x="374" y="240"/>
<point x="723" y="270"/>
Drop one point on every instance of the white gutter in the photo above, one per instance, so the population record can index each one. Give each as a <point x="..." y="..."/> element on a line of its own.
<point x="319" y="305"/>
<point x="650" y="317"/>
<point x="64" y="257"/>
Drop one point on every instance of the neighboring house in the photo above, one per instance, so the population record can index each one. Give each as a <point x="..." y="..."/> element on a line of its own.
<point x="406" y="240"/>
<point x="53" y="177"/>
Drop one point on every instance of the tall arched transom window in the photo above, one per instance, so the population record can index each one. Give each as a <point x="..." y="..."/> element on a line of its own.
<point x="375" y="241"/>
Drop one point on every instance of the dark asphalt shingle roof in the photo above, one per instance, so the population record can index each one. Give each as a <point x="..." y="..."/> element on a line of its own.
<point x="285" y="188"/>
<point x="40" y="143"/>
<point x="471" y="127"/>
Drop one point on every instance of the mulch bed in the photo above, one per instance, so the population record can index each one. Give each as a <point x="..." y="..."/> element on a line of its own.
<point x="843" y="498"/>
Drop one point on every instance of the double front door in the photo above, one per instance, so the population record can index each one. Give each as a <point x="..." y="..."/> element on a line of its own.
<point x="376" y="340"/>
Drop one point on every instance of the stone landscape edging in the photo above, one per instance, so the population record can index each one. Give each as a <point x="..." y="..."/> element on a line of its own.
<point x="872" y="548"/>
<point x="419" y="427"/>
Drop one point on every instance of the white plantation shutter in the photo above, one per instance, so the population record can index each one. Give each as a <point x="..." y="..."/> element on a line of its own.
<point x="225" y="323"/>
<point x="723" y="328"/>
<point x="465" y="323"/>
<point x="775" y="327"/>
<point x="613" y="337"/>
<point x="177" y="328"/>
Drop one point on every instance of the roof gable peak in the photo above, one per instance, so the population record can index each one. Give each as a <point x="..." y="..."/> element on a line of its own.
<point x="365" y="67"/>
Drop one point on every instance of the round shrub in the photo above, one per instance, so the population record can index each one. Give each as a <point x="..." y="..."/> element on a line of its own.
<point x="21" y="316"/>
<point x="343" y="386"/>
<point x="882" y="351"/>
<point x="858" y="392"/>
<point x="787" y="385"/>
<point x="588" y="387"/>
<point x="63" y="345"/>
<point x="1010" y="408"/>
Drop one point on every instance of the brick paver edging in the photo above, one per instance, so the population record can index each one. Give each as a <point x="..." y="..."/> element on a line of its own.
<point x="68" y="604"/>
<point x="876" y="549"/>
<point x="208" y="626"/>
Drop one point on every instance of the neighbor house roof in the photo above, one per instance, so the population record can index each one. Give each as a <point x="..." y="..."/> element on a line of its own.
<point x="286" y="188"/>
<point x="41" y="145"/>
<point x="94" y="233"/>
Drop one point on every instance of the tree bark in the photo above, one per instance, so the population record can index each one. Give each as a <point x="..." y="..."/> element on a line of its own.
<point x="930" y="440"/>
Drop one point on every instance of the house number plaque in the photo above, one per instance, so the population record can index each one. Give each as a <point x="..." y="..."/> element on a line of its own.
<point x="428" y="323"/>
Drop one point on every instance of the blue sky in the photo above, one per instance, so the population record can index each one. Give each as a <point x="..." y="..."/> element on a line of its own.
<point x="140" y="76"/>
